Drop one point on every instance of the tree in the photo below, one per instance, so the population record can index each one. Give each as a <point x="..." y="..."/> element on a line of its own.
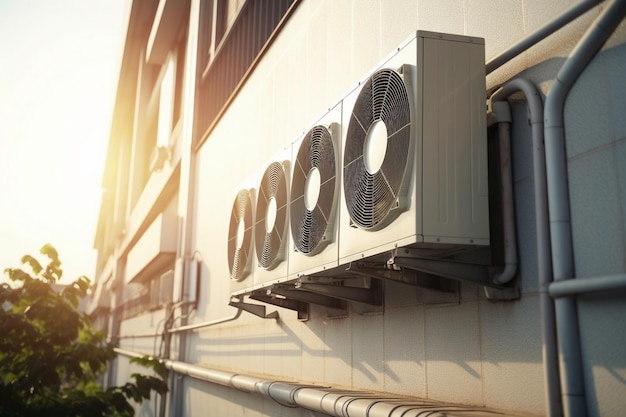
<point x="51" y="357"/>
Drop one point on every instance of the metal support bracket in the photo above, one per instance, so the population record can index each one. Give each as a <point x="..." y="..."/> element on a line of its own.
<point x="371" y="296"/>
<point x="404" y="276"/>
<point x="256" y="309"/>
<point x="301" y="307"/>
<point x="334" y="307"/>
<point x="477" y="274"/>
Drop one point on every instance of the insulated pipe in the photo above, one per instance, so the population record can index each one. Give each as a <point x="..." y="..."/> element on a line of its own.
<point x="332" y="402"/>
<point x="196" y="326"/>
<point x="588" y="285"/>
<point x="542" y="227"/>
<point x="508" y="209"/>
<point x="573" y="387"/>
<point x="540" y="34"/>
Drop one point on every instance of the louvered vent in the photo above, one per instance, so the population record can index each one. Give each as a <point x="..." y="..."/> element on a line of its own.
<point x="240" y="236"/>
<point x="271" y="211"/>
<point x="378" y="151"/>
<point x="313" y="191"/>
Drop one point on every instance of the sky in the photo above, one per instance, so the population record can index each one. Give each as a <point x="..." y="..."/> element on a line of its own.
<point x="59" y="65"/>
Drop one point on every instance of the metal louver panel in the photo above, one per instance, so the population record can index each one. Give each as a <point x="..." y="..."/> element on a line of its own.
<point x="371" y="197"/>
<point x="271" y="211"/>
<point x="240" y="236"/>
<point x="310" y="222"/>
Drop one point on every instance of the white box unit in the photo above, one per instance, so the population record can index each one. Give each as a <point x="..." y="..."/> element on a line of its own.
<point x="241" y="256"/>
<point x="271" y="223"/>
<point x="415" y="150"/>
<point x="315" y="195"/>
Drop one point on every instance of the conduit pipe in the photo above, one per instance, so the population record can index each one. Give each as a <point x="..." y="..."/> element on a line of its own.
<point x="542" y="227"/>
<point x="187" y="328"/>
<point x="332" y="402"/>
<point x="563" y="19"/>
<point x="502" y="113"/>
<point x="572" y="376"/>
<point x="579" y="286"/>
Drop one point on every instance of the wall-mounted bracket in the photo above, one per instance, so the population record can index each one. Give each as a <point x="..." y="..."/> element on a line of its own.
<point x="309" y="297"/>
<point x="370" y="296"/>
<point x="256" y="309"/>
<point x="477" y="274"/>
<point x="403" y="275"/>
<point x="300" y="307"/>
<point x="334" y="307"/>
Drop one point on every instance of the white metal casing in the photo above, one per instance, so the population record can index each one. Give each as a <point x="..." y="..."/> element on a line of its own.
<point x="247" y="278"/>
<point x="447" y="186"/>
<point x="277" y="273"/>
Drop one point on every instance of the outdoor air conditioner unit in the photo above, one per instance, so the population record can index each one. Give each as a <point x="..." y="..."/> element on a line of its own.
<point x="415" y="151"/>
<point x="241" y="238"/>
<point x="271" y="223"/>
<point x="314" y="197"/>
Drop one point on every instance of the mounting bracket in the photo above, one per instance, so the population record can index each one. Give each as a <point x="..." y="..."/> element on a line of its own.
<point x="256" y="309"/>
<point x="301" y="307"/>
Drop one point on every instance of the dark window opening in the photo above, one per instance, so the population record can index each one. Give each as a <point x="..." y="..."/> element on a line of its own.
<point x="236" y="48"/>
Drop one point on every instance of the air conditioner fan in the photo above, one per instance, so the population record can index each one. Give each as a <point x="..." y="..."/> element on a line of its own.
<point x="313" y="190"/>
<point x="378" y="151"/>
<point x="271" y="221"/>
<point x="240" y="236"/>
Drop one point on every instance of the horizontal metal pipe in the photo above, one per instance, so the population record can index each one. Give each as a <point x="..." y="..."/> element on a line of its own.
<point x="318" y="399"/>
<point x="186" y="328"/>
<point x="580" y="286"/>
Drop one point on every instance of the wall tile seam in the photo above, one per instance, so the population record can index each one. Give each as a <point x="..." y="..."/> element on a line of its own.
<point x="480" y="353"/>
<point x="592" y="151"/>
<point x="621" y="199"/>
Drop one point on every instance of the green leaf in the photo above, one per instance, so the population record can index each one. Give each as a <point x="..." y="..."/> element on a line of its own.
<point x="33" y="263"/>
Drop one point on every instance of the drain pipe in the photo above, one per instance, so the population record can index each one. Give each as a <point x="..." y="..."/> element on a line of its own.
<point x="501" y="113"/>
<point x="572" y="376"/>
<point x="542" y="227"/>
<point x="566" y="17"/>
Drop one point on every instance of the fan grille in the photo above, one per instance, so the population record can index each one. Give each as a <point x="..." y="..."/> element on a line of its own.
<point x="269" y="243"/>
<point x="371" y="197"/>
<point x="309" y="226"/>
<point x="239" y="247"/>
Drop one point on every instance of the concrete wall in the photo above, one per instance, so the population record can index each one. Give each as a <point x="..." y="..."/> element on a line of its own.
<point x="476" y="351"/>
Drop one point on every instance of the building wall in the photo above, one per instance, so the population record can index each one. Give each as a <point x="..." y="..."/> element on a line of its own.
<point x="475" y="351"/>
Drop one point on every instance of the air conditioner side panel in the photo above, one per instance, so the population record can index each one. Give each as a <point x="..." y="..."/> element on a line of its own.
<point x="455" y="199"/>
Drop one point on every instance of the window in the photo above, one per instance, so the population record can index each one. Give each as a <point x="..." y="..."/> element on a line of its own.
<point x="233" y="34"/>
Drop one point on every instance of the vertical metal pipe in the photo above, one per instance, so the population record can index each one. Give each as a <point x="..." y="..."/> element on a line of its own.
<point x="542" y="227"/>
<point x="572" y="376"/>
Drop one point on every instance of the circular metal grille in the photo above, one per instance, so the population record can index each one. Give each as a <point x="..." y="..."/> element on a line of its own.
<point x="309" y="226"/>
<point x="371" y="197"/>
<point x="269" y="243"/>
<point x="240" y="247"/>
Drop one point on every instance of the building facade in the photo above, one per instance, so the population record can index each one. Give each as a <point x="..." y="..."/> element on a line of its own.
<point x="369" y="208"/>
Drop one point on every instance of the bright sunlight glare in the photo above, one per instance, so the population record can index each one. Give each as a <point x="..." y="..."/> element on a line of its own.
<point x="58" y="72"/>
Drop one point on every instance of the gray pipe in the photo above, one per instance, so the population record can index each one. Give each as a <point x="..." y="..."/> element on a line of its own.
<point x="508" y="209"/>
<point x="540" y="34"/>
<point x="332" y="402"/>
<point x="544" y="260"/>
<point x="572" y="376"/>
<point x="578" y="286"/>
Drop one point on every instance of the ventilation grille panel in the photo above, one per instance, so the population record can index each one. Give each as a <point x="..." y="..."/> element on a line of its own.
<point x="315" y="167"/>
<point x="240" y="236"/>
<point x="271" y="211"/>
<point x="371" y="197"/>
